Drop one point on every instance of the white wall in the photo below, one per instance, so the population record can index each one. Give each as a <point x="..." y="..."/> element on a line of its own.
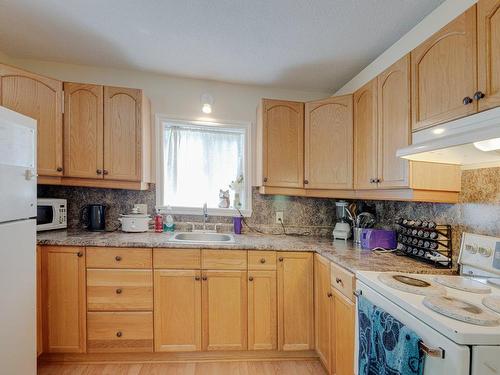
<point x="440" y="17"/>
<point x="178" y="97"/>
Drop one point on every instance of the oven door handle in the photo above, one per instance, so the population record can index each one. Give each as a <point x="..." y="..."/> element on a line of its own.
<point x="430" y="351"/>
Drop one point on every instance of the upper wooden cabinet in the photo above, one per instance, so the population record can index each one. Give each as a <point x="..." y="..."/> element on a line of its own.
<point x="83" y="130"/>
<point x="63" y="278"/>
<point x="295" y="301"/>
<point x="40" y="98"/>
<point x="365" y="136"/>
<point x="126" y="134"/>
<point x="444" y="76"/>
<point x="281" y="133"/>
<point x="488" y="48"/>
<point x="107" y="130"/>
<point x="393" y="94"/>
<point x="329" y="143"/>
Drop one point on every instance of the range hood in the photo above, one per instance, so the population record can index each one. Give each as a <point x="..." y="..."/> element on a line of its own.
<point x="472" y="142"/>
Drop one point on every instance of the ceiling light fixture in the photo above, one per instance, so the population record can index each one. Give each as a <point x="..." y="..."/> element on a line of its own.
<point x="438" y="131"/>
<point x="488" y="145"/>
<point x="206" y="103"/>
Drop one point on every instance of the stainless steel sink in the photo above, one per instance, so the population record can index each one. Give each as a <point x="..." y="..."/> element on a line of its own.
<point x="202" y="237"/>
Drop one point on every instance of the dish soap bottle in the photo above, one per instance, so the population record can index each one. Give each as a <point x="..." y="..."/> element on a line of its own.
<point x="169" y="221"/>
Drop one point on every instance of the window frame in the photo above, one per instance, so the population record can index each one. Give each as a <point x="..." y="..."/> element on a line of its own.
<point x="247" y="165"/>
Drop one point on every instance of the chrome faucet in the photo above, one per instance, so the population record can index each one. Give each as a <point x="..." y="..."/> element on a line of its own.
<point x="205" y="216"/>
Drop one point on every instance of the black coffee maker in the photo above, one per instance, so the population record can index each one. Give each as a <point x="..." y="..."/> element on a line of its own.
<point x="93" y="217"/>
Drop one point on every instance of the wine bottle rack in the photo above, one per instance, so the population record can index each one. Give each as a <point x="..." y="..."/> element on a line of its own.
<point x="425" y="240"/>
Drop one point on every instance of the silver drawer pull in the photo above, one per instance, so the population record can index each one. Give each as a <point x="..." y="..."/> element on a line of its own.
<point x="430" y="351"/>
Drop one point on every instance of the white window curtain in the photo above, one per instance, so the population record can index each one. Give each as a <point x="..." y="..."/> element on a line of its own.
<point x="198" y="162"/>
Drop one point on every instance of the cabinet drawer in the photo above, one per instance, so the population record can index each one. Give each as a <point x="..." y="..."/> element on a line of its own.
<point x="112" y="332"/>
<point x="177" y="258"/>
<point x="343" y="280"/>
<point x="224" y="259"/>
<point x="119" y="257"/>
<point x="262" y="260"/>
<point x="119" y="290"/>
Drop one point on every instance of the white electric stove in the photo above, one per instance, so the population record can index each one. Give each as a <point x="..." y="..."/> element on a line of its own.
<point x="457" y="317"/>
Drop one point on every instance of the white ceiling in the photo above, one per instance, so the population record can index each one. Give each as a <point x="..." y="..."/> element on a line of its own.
<point x="303" y="44"/>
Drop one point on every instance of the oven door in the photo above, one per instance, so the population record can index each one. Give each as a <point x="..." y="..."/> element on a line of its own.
<point x="45" y="217"/>
<point x="456" y="359"/>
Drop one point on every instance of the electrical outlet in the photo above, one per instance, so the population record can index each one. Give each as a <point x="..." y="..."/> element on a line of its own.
<point x="141" y="208"/>
<point x="279" y="217"/>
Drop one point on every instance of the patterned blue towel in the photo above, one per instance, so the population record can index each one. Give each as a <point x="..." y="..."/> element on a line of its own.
<point x="386" y="346"/>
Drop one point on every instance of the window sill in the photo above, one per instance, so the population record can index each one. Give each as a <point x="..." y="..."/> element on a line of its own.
<point x="199" y="211"/>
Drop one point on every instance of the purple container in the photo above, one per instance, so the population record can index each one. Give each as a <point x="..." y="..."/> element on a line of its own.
<point x="237" y="224"/>
<point x="372" y="238"/>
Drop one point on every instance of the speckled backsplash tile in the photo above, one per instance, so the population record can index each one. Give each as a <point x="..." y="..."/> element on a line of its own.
<point x="478" y="210"/>
<point x="314" y="216"/>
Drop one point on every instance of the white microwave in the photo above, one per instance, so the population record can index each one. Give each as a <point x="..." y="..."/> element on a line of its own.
<point x="51" y="214"/>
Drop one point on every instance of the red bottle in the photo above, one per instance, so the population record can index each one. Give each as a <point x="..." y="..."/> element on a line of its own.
<point x="158" y="223"/>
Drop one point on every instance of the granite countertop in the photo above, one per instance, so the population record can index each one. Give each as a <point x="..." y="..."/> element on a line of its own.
<point x="343" y="253"/>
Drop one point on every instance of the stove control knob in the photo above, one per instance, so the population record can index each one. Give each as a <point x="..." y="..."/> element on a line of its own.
<point x="485" y="252"/>
<point x="471" y="248"/>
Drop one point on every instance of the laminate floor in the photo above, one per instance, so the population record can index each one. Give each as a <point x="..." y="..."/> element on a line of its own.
<point x="304" y="367"/>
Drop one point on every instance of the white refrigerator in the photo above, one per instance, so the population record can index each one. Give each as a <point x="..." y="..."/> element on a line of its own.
<point x="17" y="243"/>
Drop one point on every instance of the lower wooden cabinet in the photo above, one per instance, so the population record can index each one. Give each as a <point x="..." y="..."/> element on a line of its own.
<point x="177" y="310"/>
<point x="63" y="278"/>
<point x="119" y="290"/>
<point x="295" y="301"/>
<point x="262" y="318"/>
<point x="111" y="332"/>
<point x="39" y="303"/>
<point x="343" y="335"/>
<point x="224" y="304"/>
<point x="268" y="305"/>
<point x="323" y="308"/>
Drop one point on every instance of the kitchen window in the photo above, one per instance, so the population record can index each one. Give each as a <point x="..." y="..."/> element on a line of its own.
<point x="203" y="162"/>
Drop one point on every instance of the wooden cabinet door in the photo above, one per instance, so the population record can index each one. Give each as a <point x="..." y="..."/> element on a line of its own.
<point x="39" y="304"/>
<point x="328" y="143"/>
<point x="444" y="73"/>
<point x="63" y="272"/>
<point x="283" y="143"/>
<point x="365" y="136"/>
<point x="295" y="301"/>
<point x="343" y="333"/>
<point x="40" y="98"/>
<point x="224" y="311"/>
<point x="122" y="133"/>
<point x="83" y="130"/>
<point x="488" y="48"/>
<point x="322" y="307"/>
<point x="177" y="310"/>
<point x="393" y="124"/>
<point x="262" y="317"/>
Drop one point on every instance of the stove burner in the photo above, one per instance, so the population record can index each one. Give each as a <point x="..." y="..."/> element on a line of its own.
<point x="411" y="281"/>
<point x="410" y="284"/>
<point x="492" y="302"/>
<point x="461" y="310"/>
<point x="463" y="283"/>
